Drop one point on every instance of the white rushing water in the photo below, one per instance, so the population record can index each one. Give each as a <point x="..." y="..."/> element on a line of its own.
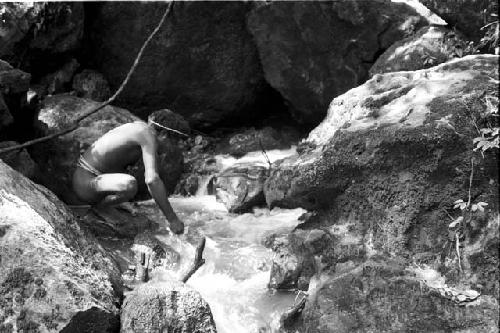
<point x="236" y="273"/>
<point x="237" y="266"/>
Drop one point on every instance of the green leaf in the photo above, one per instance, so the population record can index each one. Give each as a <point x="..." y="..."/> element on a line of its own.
<point x="457" y="221"/>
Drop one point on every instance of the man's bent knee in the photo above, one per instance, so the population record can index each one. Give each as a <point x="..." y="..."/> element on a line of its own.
<point x="130" y="187"/>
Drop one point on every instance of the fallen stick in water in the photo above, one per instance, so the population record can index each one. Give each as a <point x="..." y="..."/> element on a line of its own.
<point x="198" y="260"/>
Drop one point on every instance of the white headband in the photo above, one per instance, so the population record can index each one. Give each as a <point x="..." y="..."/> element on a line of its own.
<point x="168" y="128"/>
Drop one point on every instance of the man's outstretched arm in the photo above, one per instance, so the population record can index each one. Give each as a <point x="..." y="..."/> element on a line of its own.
<point x="156" y="186"/>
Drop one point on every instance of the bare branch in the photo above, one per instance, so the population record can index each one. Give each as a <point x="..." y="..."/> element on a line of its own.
<point x="198" y="260"/>
<point x="103" y="104"/>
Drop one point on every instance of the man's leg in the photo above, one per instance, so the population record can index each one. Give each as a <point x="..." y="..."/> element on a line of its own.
<point x="116" y="188"/>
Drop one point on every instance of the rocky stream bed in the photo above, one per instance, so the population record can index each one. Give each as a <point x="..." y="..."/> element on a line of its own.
<point x="342" y="167"/>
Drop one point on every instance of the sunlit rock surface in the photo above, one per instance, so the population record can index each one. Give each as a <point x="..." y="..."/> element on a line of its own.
<point x="386" y="165"/>
<point x="312" y="52"/>
<point x="429" y="47"/>
<point x="54" y="276"/>
<point x="169" y="306"/>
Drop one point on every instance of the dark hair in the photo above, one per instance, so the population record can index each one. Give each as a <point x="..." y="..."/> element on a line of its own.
<point x="171" y="120"/>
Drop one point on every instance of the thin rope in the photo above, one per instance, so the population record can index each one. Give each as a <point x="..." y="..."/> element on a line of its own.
<point x="102" y="105"/>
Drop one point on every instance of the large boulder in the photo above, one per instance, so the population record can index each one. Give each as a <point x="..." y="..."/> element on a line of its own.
<point x="59" y="156"/>
<point x="167" y="306"/>
<point x="241" y="186"/>
<point x="314" y="51"/>
<point x="202" y="63"/>
<point x="382" y="296"/>
<point x="54" y="276"/>
<point x="429" y="47"/>
<point x="32" y="32"/>
<point x="385" y="167"/>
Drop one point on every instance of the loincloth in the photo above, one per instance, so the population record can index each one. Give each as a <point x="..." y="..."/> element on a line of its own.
<point x="82" y="163"/>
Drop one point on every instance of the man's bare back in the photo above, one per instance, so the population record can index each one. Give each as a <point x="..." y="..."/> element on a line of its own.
<point x="99" y="178"/>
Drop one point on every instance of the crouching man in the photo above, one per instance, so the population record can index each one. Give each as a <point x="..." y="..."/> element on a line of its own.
<point x="100" y="177"/>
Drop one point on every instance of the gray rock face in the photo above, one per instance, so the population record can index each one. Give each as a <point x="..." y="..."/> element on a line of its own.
<point x="53" y="273"/>
<point x="382" y="172"/>
<point x="49" y="28"/>
<point x="58" y="157"/>
<point x="429" y="47"/>
<point x="312" y="52"/>
<point x="168" y="306"/>
<point x="203" y="64"/>
<point x="241" y="187"/>
<point x="365" y="128"/>
<point x="382" y="297"/>
<point x="92" y="85"/>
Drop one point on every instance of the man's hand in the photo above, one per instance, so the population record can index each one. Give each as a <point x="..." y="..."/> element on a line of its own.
<point x="177" y="226"/>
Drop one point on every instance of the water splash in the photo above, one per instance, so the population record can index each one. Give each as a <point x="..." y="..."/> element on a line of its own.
<point x="236" y="273"/>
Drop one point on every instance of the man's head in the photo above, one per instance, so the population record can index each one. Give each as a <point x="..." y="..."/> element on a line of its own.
<point x="169" y="123"/>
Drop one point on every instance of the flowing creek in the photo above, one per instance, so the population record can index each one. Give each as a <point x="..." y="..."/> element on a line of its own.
<point x="237" y="266"/>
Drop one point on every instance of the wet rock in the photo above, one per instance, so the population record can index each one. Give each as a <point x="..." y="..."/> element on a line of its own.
<point x="114" y="221"/>
<point x="383" y="297"/>
<point x="166" y="306"/>
<point x="314" y="51"/>
<point x="241" y="186"/>
<point x="92" y="85"/>
<point x="59" y="156"/>
<point x="19" y="160"/>
<point x="218" y="76"/>
<point x="59" y="81"/>
<point x="150" y="253"/>
<point x="294" y="257"/>
<point x="53" y="272"/>
<point x="429" y="47"/>
<point x="42" y="28"/>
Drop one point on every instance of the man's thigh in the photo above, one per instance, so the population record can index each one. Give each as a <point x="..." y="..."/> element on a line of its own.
<point x="114" y="183"/>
